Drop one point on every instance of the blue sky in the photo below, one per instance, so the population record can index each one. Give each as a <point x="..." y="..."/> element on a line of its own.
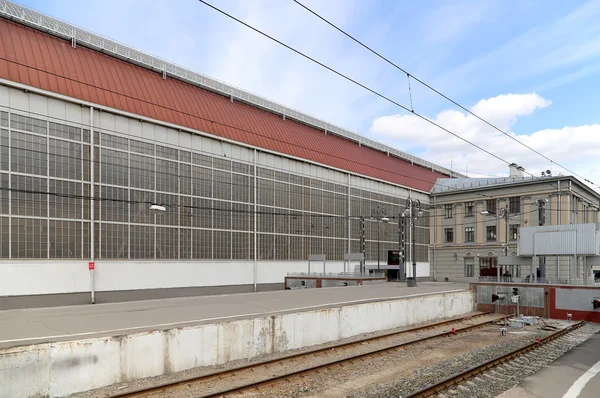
<point x="530" y="67"/>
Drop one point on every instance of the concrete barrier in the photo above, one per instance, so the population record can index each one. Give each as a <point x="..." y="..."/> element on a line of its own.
<point x="63" y="368"/>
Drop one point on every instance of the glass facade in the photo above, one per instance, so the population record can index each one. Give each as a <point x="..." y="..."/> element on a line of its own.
<point x="211" y="206"/>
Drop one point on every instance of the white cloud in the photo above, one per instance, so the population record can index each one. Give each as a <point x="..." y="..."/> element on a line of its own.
<point x="575" y="147"/>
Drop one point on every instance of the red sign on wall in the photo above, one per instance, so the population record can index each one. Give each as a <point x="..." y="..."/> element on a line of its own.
<point x="91" y="265"/>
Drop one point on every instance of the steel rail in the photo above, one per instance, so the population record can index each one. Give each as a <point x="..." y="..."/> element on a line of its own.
<point x="230" y="372"/>
<point x="475" y="370"/>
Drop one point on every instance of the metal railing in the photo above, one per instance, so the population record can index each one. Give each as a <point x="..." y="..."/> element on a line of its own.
<point x="478" y="182"/>
<point x="337" y="274"/>
<point x="540" y="281"/>
<point x="86" y="38"/>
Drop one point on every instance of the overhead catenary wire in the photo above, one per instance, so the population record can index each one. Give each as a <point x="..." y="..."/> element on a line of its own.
<point x="362" y="85"/>
<point x="250" y="132"/>
<point x="352" y="80"/>
<point x="104" y="129"/>
<point x="409" y="75"/>
<point x="190" y="177"/>
<point x="328" y="154"/>
<point x="290" y="213"/>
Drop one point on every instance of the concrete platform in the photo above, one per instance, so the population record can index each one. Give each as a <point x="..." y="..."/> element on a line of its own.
<point x="41" y="325"/>
<point x="575" y="374"/>
<point x="55" y="352"/>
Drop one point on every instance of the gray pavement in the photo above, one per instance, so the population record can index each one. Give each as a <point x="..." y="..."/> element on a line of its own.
<point x="563" y="377"/>
<point x="38" y="325"/>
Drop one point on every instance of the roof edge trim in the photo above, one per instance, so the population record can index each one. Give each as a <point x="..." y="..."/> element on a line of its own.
<point x="56" y="27"/>
<point x="529" y="181"/>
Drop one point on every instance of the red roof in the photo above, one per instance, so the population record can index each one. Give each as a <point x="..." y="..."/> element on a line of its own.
<point x="47" y="62"/>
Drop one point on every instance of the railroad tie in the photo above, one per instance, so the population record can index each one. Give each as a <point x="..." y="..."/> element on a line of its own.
<point x="463" y="388"/>
<point x="490" y="377"/>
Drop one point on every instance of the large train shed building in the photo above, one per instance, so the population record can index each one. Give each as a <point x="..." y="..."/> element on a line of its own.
<point x="93" y="132"/>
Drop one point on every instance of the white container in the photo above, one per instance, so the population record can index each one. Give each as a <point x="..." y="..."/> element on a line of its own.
<point x="516" y="323"/>
<point x="531" y="320"/>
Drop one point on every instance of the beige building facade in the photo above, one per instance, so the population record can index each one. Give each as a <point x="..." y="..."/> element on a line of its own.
<point x="476" y="220"/>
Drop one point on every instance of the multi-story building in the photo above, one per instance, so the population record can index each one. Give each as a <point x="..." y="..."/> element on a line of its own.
<point x="93" y="132"/>
<point x="476" y="220"/>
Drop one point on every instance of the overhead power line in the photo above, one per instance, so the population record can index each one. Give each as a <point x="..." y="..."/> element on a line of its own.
<point x="290" y="213"/>
<point x="365" y="87"/>
<point x="105" y="129"/>
<point x="352" y="80"/>
<point x="408" y="74"/>
<point x="280" y="140"/>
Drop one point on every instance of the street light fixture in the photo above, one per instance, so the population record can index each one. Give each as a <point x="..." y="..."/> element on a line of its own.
<point x="158" y="207"/>
<point x="413" y="211"/>
<point x="379" y="213"/>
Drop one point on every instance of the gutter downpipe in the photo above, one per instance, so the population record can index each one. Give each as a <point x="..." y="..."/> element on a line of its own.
<point x="558" y="222"/>
<point x="92" y="207"/>
<point x="434" y="237"/>
<point x="569" y="219"/>
<point x="255" y="270"/>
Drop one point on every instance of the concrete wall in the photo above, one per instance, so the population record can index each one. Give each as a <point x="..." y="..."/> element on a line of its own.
<point x="28" y="277"/>
<point x="553" y="301"/>
<point x="59" y="369"/>
<point x="34" y="277"/>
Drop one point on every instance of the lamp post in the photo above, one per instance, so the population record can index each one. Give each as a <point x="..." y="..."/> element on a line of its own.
<point x="379" y="213"/>
<point x="413" y="211"/>
<point x="401" y="247"/>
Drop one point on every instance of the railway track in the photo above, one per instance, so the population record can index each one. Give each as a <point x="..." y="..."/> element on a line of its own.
<point x="330" y="357"/>
<point x="499" y="374"/>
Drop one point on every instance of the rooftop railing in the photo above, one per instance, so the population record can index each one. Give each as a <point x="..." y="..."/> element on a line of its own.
<point x="363" y="275"/>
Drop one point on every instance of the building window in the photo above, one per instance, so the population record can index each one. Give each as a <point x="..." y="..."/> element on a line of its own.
<point x="448" y="211"/>
<point x="490" y="233"/>
<point x="469" y="234"/>
<point x="449" y="234"/>
<point x="488" y="266"/>
<point x="514" y="205"/>
<point x="490" y="206"/>
<point x="469" y="265"/>
<point x="513" y="232"/>
<point x="469" y="209"/>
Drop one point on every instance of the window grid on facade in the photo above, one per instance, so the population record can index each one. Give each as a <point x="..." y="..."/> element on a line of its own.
<point x="514" y="204"/>
<point x="4" y="150"/>
<point x="65" y="239"/>
<point x="449" y="235"/>
<point x="448" y="210"/>
<point x="114" y="167"/>
<point x="513" y="232"/>
<point x="469" y="206"/>
<point x="469" y="234"/>
<point x="490" y="233"/>
<point x="4" y="237"/>
<point x="28" y="153"/>
<point x="64" y="159"/>
<point x="27" y="123"/>
<point x="3" y="119"/>
<point x="490" y="206"/>
<point x="210" y="202"/>
<point x="469" y="266"/>
<point x="115" y="241"/>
